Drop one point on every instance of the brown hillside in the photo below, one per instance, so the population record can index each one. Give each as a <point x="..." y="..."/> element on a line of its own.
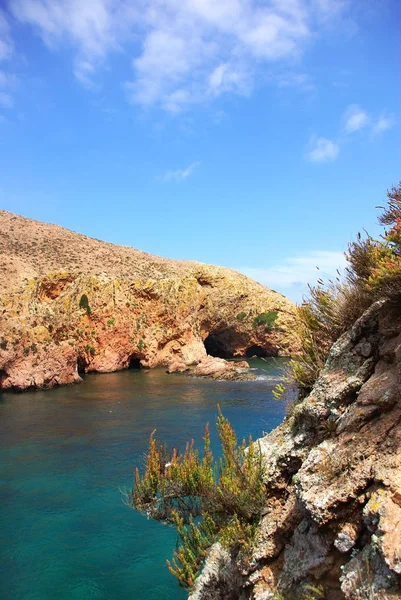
<point x="142" y="308"/>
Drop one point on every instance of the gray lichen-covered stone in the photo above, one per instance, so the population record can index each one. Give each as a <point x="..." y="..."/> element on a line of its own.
<point x="333" y="482"/>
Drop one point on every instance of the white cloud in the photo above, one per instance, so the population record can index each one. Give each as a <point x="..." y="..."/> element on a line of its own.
<point x="84" y="71"/>
<point x="292" y="276"/>
<point x="383" y="123"/>
<point x="322" y="150"/>
<point x="5" y="100"/>
<point x="8" y="80"/>
<point x="229" y="78"/>
<point x="6" y="43"/>
<point x="180" y="174"/>
<point x="188" y="51"/>
<point x="355" y="118"/>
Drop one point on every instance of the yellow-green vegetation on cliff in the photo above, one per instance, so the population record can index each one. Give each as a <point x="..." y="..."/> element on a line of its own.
<point x="70" y="303"/>
<point x="373" y="272"/>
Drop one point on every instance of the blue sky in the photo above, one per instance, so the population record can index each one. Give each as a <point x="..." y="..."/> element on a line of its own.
<point x="254" y="135"/>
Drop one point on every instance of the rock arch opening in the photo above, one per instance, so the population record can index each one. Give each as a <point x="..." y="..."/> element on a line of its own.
<point x="82" y="363"/>
<point x="134" y="363"/>
<point x="216" y="345"/>
<point x="256" y="350"/>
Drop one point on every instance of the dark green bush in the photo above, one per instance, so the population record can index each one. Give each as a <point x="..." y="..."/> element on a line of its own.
<point x="266" y="319"/>
<point x="241" y="316"/>
<point x="84" y="303"/>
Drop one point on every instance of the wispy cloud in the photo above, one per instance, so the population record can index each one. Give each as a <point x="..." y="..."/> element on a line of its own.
<point x="294" y="273"/>
<point x="6" y="100"/>
<point x="189" y="51"/>
<point x="355" y="118"/>
<point x="84" y="72"/>
<point x="179" y="174"/>
<point x="322" y="150"/>
<point x="7" y="78"/>
<point x="383" y="123"/>
<point x="6" y="43"/>
<point x="293" y="79"/>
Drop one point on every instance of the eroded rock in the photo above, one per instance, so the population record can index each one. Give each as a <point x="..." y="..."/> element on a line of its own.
<point x="332" y="521"/>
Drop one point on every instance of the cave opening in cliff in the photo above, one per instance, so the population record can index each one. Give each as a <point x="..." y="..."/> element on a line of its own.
<point x="255" y="350"/>
<point x="134" y="363"/>
<point x="216" y="345"/>
<point x="81" y="364"/>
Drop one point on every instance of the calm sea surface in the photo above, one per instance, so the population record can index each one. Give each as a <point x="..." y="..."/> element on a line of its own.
<point x="65" y="456"/>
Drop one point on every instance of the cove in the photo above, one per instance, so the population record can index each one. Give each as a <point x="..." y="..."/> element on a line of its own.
<point x="65" y="456"/>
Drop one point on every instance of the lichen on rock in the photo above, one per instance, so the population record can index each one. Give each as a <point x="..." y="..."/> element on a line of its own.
<point x="332" y="524"/>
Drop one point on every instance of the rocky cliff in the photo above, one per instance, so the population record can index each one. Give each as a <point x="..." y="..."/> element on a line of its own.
<point x="71" y="304"/>
<point x="332" y="523"/>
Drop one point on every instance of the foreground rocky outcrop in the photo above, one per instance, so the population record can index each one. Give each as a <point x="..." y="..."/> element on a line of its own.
<point x="332" y="524"/>
<point x="71" y="304"/>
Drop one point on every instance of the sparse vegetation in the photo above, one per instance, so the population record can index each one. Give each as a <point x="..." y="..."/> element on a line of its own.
<point x="110" y="322"/>
<point x="241" y="316"/>
<point x="205" y="499"/>
<point x="90" y="350"/>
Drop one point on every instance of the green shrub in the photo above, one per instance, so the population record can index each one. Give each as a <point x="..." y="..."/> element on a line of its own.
<point x="373" y="272"/>
<point x="141" y="345"/>
<point x="205" y="499"/>
<point x="110" y="322"/>
<point x="266" y="319"/>
<point x="241" y="316"/>
<point x="84" y="303"/>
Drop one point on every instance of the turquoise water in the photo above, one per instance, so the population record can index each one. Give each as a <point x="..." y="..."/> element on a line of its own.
<point x="65" y="456"/>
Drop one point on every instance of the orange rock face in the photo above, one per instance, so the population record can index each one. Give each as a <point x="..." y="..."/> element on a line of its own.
<point x="69" y="303"/>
